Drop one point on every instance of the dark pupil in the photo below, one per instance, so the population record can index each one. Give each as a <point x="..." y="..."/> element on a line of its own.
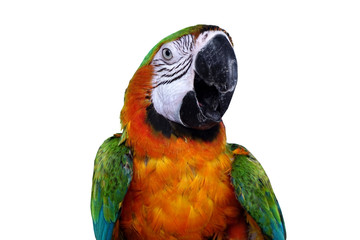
<point x="167" y="52"/>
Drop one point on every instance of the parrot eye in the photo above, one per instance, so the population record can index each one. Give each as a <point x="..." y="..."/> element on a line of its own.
<point x="167" y="54"/>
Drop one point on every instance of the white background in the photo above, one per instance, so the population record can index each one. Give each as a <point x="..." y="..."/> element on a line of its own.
<point x="64" y="66"/>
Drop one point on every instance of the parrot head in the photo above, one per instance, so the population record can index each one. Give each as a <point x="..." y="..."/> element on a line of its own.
<point x="193" y="78"/>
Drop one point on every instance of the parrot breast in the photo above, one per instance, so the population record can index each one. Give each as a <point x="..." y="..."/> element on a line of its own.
<point x="189" y="196"/>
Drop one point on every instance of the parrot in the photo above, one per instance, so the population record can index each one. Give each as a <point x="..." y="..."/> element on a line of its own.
<point x="170" y="173"/>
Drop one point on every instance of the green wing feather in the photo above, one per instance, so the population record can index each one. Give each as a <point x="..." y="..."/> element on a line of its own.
<point x="113" y="171"/>
<point x="254" y="192"/>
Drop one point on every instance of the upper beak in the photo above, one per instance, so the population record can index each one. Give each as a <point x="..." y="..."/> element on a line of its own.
<point x="216" y="64"/>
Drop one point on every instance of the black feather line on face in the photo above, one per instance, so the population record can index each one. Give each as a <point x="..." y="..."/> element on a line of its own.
<point x="182" y="69"/>
<point x="187" y="66"/>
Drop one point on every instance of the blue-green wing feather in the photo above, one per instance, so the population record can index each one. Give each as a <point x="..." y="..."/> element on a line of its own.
<point x="255" y="194"/>
<point x="113" y="170"/>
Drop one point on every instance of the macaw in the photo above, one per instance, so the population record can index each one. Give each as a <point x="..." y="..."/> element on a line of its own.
<point x="171" y="174"/>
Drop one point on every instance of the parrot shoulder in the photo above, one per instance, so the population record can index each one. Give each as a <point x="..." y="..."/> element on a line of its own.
<point x="113" y="171"/>
<point x="254" y="192"/>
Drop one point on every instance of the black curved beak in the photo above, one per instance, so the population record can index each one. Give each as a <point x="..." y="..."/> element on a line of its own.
<point x="214" y="84"/>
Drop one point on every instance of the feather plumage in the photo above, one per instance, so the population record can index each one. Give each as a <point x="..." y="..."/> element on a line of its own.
<point x="112" y="176"/>
<point x="162" y="179"/>
<point x="254" y="192"/>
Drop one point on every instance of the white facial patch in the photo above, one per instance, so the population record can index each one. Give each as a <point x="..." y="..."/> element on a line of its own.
<point x="167" y="98"/>
<point x="173" y="77"/>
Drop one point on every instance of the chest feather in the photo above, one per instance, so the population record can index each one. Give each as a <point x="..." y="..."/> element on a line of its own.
<point x="190" y="197"/>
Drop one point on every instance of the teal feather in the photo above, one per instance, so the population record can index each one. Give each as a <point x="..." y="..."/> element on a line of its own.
<point x="255" y="194"/>
<point x="113" y="171"/>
